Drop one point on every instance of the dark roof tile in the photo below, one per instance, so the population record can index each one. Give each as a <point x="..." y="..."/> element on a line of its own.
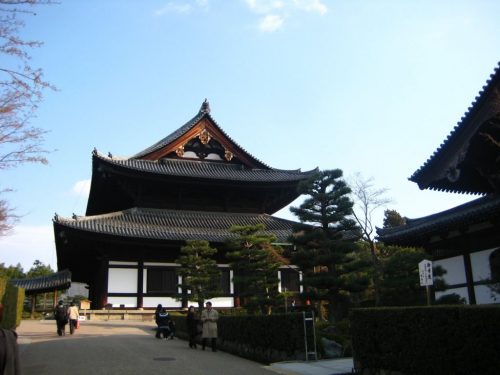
<point x="206" y="169"/>
<point x="175" y="225"/>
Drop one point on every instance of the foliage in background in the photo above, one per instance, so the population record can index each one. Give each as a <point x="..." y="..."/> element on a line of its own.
<point x="21" y="89"/>
<point x="199" y="271"/>
<point x="255" y="261"/>
<point x="325" y="241"/>
<point x="368" y="199"/>
<point x="393" y="219"/>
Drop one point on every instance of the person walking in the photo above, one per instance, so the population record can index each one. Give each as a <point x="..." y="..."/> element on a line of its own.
<point x="61" y="317"/>
<point x="73" y="317"/>
<point x="192" y="326"/>
<point x="209" y="318"/>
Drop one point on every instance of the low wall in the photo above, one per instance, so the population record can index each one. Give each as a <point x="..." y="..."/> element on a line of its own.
<point x="137" y="315"/>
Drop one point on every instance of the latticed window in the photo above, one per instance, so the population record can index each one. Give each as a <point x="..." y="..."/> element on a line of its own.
<point x="290" y="280"/>
<point x="162" y="280"/>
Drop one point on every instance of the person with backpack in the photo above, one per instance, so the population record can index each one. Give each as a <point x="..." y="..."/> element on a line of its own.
<point x="61" y="317"/>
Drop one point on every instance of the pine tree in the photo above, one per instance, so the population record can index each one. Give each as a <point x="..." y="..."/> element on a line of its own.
<point x="392" y="219"/>
<point x="255" y="261"/>
<point x="326" y="242"/>
<point x="199" y="271"/>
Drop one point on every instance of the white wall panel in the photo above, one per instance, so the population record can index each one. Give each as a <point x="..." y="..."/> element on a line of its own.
<point x="462" y="292"/>
<point x="484" y="295"/>
<point x="167" y="302"/>
<point x="122" y="280"/>
<point x="480" y="262"/>
<point x="455" y="270"/>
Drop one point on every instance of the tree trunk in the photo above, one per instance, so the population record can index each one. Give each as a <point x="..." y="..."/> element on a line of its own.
<point x="377" y="272"/>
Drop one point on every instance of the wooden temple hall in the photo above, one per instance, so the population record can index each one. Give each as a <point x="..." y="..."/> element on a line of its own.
<point x="193" y="184"/>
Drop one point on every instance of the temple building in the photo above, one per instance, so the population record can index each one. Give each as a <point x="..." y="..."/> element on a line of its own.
<point x="193" y="184"/>
<point x="464" y="240"/>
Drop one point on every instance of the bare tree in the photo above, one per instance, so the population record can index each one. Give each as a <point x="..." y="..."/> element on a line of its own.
<point x="21" y="88"/>
<point x="368" y="199"/>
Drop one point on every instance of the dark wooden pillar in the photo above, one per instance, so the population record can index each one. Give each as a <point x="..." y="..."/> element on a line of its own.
<point x="469" y="278"/>
<point x="140" y="285"/>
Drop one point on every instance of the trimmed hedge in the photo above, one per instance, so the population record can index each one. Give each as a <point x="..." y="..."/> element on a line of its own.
<point x="263" y="338"/>
<point x="427" y="340"/>
<point x="12" y="299"/>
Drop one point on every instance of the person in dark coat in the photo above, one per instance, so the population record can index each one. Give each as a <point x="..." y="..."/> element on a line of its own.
<point x="192" y="322"/>
<point x="164" y="325"/>
<point x="61" y="317"/>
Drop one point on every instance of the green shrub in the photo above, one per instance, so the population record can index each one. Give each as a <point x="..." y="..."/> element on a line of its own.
<point x="13" y="300"/>
<point x="428" y="340"/>
<point x="259" y="333"/>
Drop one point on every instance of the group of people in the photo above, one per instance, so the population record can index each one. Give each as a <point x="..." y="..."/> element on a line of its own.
<point x="64" y="315"/>
<point x="206" y="325"/>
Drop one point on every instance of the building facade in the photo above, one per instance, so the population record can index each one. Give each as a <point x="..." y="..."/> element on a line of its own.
<point x="193" y="184"/>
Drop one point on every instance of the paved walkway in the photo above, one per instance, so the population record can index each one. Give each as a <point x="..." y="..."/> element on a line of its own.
<point x="129" y="347"/>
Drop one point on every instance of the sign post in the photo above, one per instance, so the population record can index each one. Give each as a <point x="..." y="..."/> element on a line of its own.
<point x="426" y="278"/>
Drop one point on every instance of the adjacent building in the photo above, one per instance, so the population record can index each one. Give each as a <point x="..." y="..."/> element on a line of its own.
<point x="464" y="240"/>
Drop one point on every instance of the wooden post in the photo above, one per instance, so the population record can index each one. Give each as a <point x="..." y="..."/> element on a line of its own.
<point x="428" y="292"/>
<point x="33" y="306"/>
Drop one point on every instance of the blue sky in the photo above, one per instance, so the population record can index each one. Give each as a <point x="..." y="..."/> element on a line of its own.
<point x="366" y="86"/>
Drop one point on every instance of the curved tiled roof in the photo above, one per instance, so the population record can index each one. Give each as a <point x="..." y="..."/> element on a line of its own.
<point x="446" y="155"/>
<point x="57" y="281"/>
<point x="204" y="112"/>
<point x="205" y="169"/>
<point x="416" y="230"/>
<point x="175" y="225"/>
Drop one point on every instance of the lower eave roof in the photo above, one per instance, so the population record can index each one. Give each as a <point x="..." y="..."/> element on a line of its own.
<point x="206" y="170"/>
<point x="57" y="281"/>
<point x="174" y="225"/>
<point x="417" y="230"/>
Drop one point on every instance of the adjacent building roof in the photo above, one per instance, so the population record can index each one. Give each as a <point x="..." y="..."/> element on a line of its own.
<point x="447" y="168"/>
<point x="175" y="225"/>
<point x="418" y="231"/>
<point x="43" y="284"/>
<point x="206" y="170"/>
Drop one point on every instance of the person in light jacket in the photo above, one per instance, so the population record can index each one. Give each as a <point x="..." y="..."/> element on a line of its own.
<point x="209" y="318"/>
<point x="73" y="317"/>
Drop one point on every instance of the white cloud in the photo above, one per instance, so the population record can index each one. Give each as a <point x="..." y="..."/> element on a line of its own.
<point x="81" y="188"/>
<point x="271" y="23"/>
<point x="311" y="6"/>
<point x="171" y="7"/>
<point x="276" y="11"/>
<point x="26" y="244"/>
<point x="179" y="7"/>
<point x="265" y="6"/>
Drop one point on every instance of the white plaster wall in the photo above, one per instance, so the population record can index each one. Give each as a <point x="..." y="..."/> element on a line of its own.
<point x="462" y="292"/>
<point x="455" y="270"/>
<point x="167" y="302"/>
<point x="218" y="302"/>
<point x="480" y="262"/>
<point x="485" y="296"/>
<point x="127" y="301"/>
<point x="122" y="280"/>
